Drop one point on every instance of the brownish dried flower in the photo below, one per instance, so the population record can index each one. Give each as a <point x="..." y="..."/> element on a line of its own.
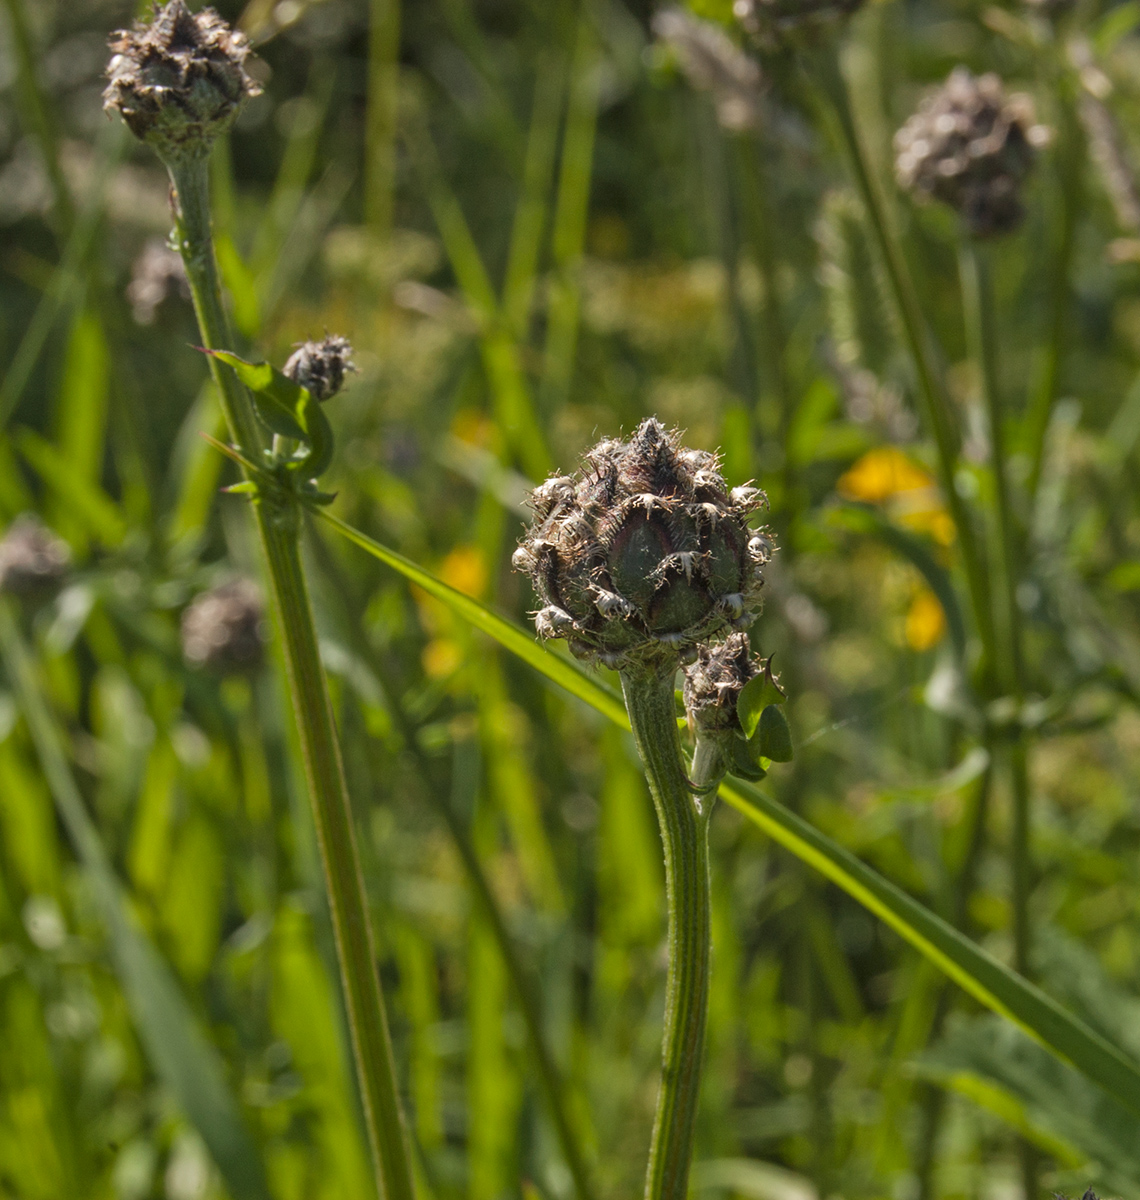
<point x="33" y="561"/>
<point x="714" y="682"/>
<point x="321" y="366"/>
<point x="224" y="629"/>
<point x="156" y="275"/>
<point x="643" y="554"/>
<point x="773" y="22"/>
<point x="971" y="146"/>
<point x="179" y="81"/>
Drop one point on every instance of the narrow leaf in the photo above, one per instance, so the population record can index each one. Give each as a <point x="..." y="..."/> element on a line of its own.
<point x="973" y="969"/>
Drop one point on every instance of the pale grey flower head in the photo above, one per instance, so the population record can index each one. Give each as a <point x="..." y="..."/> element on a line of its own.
<point x="321" y="366"/>
<point x="33" y="561"/>
<point x="224" y="629"/>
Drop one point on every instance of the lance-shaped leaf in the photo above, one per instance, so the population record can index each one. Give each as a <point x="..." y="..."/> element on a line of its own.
<point x="976" y="971"/>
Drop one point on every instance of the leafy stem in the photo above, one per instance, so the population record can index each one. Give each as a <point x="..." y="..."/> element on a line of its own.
<point x="278" y="527"/>
<point x="684" y="834"/>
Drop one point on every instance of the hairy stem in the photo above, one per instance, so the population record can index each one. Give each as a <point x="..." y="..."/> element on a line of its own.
<point x="684" y="834"/>
<point x="278" y="526"/>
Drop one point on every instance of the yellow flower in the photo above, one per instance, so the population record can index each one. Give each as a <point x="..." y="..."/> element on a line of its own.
<point x="465" y="570"/>
<point x="882" y="474"/>
<point x="925" y="620"/>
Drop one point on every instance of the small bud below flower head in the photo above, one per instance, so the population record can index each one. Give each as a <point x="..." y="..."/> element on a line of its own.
<point x="971" y="146"/>
<point x="321" y="366"/>
<point x="33" y="560"/>
<point x="714" y="682"/>
<point x="643" y="554"/>
<point x="224" y="629"/>
<point x="180" y="81"/>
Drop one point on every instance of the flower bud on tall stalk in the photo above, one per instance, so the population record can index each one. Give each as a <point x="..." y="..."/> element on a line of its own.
<point x="642" y="559"/>
<point x="179" y="82"/>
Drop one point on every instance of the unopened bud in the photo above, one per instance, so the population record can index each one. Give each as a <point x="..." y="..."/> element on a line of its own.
<point x="224" y="629"/>
<point x="179" y="81"/>
<point x="643" y="554"/>
<point x="971" y="146"/>
<point x="713" y="683"/>
<point x="320" y="367"/>
<point x="33" y="561"/>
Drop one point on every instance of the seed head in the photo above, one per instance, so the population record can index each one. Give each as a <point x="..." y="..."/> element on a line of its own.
<point x="644" y="554"/>
<point x="180" y="81"/>
<point x="713" y="63"/>
<point x="776" y="22"/>
<point x="33" y="560"/>
<point x="224" y="629"/>
<point x="971" y="146"/>
<point x="321" y="366"/>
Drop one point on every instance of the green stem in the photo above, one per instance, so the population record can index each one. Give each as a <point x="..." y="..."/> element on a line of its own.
<point x="684" y="834"/>
<point x="935" y="405"/>
<point x="382" y="115"/>
<point x="278" y="527"/>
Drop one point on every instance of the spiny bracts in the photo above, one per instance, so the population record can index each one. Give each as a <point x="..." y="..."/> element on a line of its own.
<point x="645" y="553"/>
<point x="320" y="367"/>
<point x="971" y="146"/>
<point x="180" y="81"/>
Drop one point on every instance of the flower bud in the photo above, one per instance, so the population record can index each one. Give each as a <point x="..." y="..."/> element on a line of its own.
<point x="33" y="561"/>
<point x="643" y="554"/>
<point x="180" y="81"/>
<point x="713" y="683"/>
<point x="775" y="22"/>
<point x="971" y="146"/>
<point x="320" y="366"/>
<point x="224" y="629"/>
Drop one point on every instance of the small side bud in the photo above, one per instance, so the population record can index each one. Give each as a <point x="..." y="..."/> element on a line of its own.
<point x="224" y="629"/>
<point x="179" y="81"/>
<point x="714" y="682"/>
<point x="33" y="561"/>
<point x="321" y="366"/>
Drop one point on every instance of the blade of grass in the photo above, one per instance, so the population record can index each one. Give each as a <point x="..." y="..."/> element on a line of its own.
<point x="382" y="115"/>
<point x="973" y="969"/>
<point x="179" y="1049"/>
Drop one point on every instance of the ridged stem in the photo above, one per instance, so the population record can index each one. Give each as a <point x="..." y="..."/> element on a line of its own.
<point x="278" y="528"/>
<point x="684" y="835"/>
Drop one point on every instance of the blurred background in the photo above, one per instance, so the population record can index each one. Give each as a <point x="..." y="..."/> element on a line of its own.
<point x="536" y="229"/>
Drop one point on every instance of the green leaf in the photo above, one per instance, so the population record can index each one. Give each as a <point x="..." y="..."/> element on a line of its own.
<point x="754" y="696"/>
<point x="972" y="968"/>
<point x="774" y="737"/>
<point x="276" y="397"/>
<point x="85" y="500"/>
<point x="746" y="759"/>
<point x="179" y="1049"/>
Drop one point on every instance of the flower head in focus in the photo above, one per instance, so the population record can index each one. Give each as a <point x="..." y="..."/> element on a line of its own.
<point x="645" y="553"/>
<point x="320" y="367"/>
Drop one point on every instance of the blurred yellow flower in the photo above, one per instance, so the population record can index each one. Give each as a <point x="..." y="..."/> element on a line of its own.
<point x="881" y="474"/>
<point x="441" y="658"/>
<point x="887" y="474"/>
<point x="925" y="620"/>
<point x="465" y="570"/>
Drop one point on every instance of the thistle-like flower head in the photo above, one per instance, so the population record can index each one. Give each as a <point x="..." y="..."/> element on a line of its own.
<point x="971" y="146"/>
<point x="224" y="629"/>
<point x="775" y="22"/>
<point x="644" y="554"/>
<point x="33" y="560"/>
<point x="321" y="366"/>
<point x="179" y="81"/>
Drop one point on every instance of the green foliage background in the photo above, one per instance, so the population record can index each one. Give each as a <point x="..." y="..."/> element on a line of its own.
<point x="535" y="233"/>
